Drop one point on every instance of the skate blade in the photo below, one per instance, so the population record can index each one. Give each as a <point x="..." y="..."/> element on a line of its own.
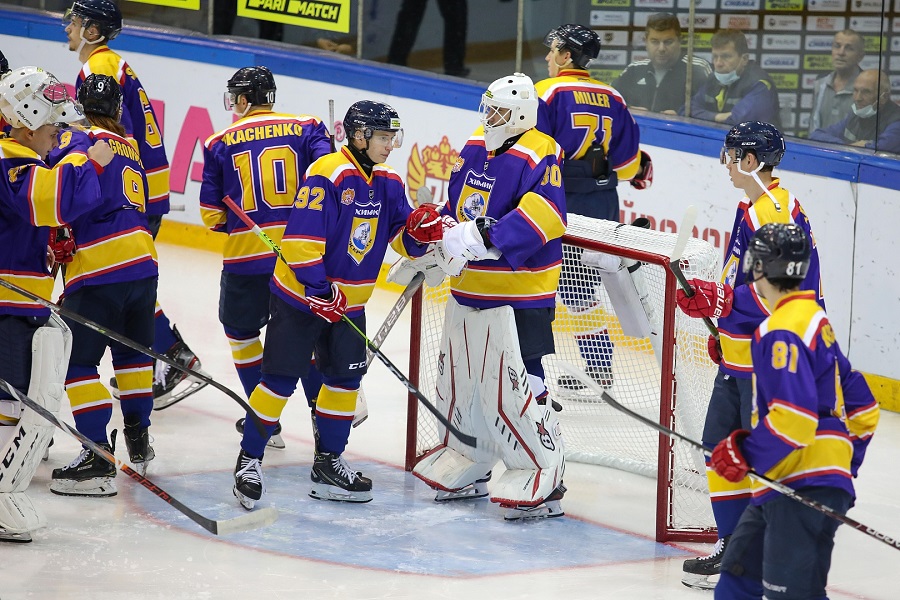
<point x="167" y="400"/>
<point x="98" y="487"/>
<point x="699" y="582"/>
<point x="336" y="494"/>
<point x="463" y="494"/>
<point x="542" y="511"/>
<point x="276" y="441"/>
<point x="246" y="501"/>
<point x="141" y="467"/>
<point x="15" y="538"/>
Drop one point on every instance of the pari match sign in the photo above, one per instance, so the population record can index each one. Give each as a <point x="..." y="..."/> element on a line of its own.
<point x="333" y="15"/>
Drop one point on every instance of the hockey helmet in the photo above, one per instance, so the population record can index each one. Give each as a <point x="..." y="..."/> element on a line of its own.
<point x="257" y="84"/>
<point x="31" y="97"/>
<point x="582" y="42"/>
<point x="778" y="251"/>
<point x="4" y="65"/>
<point x="104" y="14"/>
<point x="369" y="116"/>
<point x="100" y="95"/>
<point x="762" y="139"/>
<point x="508" y="107"/>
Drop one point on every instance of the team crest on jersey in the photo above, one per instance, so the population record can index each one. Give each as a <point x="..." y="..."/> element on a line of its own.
<point x="474" y="196"/>
<point x="458" y="165"/>
<point x="347" y="196"/>
<point x="546" y="438"/>
<point x="362" y="238"/>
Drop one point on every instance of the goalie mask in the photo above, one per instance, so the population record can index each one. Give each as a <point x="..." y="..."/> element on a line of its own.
<point x="31" y="97"/>
<point x="508" y="108"/>
<point x="100" y="95"/>
<point x="762" y="139"/>
<point x="256" y="84"/>
<point x="581" y="42"/>
<point x="103" y="14"/>
<point x="778" y="251"/>
<point x="368" y="116"/>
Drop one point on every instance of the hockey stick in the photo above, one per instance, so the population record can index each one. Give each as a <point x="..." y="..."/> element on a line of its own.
<point x="253" y="520"/>
<point x="684" y="234"/>
<point x="331" y="122"/>
<point x="65" y="312"/>
<point x="782" y="489"/>
<point x="466" y="439"/>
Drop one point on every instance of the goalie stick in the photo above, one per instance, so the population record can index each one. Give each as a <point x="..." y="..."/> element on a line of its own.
<point x="684" y="234"/>
<point x="779" y="487"/>
<point x="65" y="312"/>
<point x="245" y="522"/>
<point x="466" y="439"/>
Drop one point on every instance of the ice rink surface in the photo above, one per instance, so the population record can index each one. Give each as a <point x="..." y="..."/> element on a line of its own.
<point x="402" y="544"/>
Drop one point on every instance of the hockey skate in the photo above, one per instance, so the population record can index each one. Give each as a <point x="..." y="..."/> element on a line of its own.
<point x="602" y="375"/>
<point x="473" y="491"/>
<point x="698" y="571"/>
<point x="249" y="485"/>
<point x="166" y="378"/>
<point x="548" y="509"/>
<point x="9" y="536"/>
<point x="87" y="475"/>
<point x="333" y="479"/>
<point x="275" y="441"/>
<point x="137" y="440"/>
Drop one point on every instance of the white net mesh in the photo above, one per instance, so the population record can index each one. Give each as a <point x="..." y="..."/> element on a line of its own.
<point x="589" y="334"/>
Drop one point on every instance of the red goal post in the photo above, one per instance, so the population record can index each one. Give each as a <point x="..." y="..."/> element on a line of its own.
<point x="667" y="376"/>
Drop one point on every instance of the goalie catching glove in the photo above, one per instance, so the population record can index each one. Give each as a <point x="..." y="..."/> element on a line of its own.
<point x="426" y="225"/>
<point x="470" y="240"/>
<point x="709" y="299"/>
<point x="331" y="309"/>
<point x="727" y="458"/>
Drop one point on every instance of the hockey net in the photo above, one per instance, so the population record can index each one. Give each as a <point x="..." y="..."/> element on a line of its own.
<point x="671" y="383"/>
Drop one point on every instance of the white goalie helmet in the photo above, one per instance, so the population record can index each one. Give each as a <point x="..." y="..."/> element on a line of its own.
<point x="508" y="107"/>
<point x="32" y="97"/>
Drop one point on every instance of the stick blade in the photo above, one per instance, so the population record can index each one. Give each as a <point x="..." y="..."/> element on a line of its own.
<point x="684" y="232"/>
<point x="252" y="520"/>
<point x="587" y="381"/>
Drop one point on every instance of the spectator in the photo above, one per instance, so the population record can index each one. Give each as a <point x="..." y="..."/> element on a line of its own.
<point x="875" y="122"/>
<point x="455" y="15"/>
<point x="740" y="91"/>
<point x="833" y="93"/>
<point x="658" y="83"/>
<point x="224" y="13"/>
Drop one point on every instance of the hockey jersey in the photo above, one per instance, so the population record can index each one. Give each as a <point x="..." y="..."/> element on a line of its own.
<point x="813" y="416"/>
<point x="139" y="120"/>
<point x="112" y="240"/>
<point x="748" y="310"/>
<point x="339" y="231"/>
<point x="579" y="112"/>
<point x="34" y="197"/>
<point x="258" y="161"/>
<point x="522" y="189"/>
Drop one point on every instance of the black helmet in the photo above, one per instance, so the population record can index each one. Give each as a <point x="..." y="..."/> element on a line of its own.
<point x="582" y="42"/>
<point x="4" y="65"/>
<point x="257" y="84"/>
<point x="779" y="251"/>
<point x="100" y="95"/>
<point x="102" y="13"/>
<point x="369" y="116"/>
<point x="762" y="139"/>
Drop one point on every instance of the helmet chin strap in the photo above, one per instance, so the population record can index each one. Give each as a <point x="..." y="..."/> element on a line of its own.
<point x="759" y="182"/>
<point x="84" y="40"/>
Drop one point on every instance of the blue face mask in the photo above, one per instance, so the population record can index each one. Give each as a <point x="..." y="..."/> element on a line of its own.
<point x="865" y="112"/>
<point x="727" y="78"/>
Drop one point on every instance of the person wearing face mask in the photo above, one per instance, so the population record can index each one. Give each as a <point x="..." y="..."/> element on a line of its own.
<point x="833" y="93"/>
<point x="259" y="161"/>
<point x="739" y="90"/>
<point x="875" y="119"/>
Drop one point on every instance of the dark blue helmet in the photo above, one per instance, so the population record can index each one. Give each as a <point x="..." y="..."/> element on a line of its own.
<point x="582" y="42"/>
<point x="762" y="139"/>
<point x="369" y="116"/>
<point x="100" y="95"/>
<point x="257" y="84"/>
<point x="779" y="251"/>
<point x="4" y="65"/>
<point x="104" y="14"/>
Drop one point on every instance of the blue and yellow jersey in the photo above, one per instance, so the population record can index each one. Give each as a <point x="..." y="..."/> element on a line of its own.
<point x="579" y="112"/>
<point x="258" y="161"/>
<point x="112" y="240"/>
<point x="339" y="231"/>
<point x="735" y="330"/>
<point x="34" y="197"/>
<point x="139" y="121"/>
<point x="522" y="189"/>
<point x="812" y="414"/>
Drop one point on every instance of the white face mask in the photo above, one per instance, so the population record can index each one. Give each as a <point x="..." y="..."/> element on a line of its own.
<point x="865" y="112"/>
<point x="727" y="78"/>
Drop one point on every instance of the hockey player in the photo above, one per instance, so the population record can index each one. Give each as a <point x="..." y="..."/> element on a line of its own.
<point x="110" y="280"/>
<point x="258" y="161"/>
<point x="599" y="138"/>
<point x="90" y="26"/>
<point x="35" y="346"/>
<point x="805" y="430"/>
<point x="350" y="207"/>
<point x="506" y="193"/>
<point x="750" y="153"/>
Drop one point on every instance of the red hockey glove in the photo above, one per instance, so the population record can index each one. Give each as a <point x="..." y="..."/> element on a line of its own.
<point x="62" y="244"/>
<point x="425" y="224"/>
<point x="727" y="458"/>
<point x="714" y="348"/>
<point x="331" y="309"/>
<point x="710" y="299"/>
<point x="644" y="177"/>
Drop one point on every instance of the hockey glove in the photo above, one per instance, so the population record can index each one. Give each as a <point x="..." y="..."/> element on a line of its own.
<point x="728" y="460"/>
<point x="469" y="240"/>
<point x="644" y="177"/>
<point x="714" y="348"/>
<point x="62" y="244"/>
<point x="331" y="309"/>
<point x="425" y="224"/>
<point x="710" y="299"/>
